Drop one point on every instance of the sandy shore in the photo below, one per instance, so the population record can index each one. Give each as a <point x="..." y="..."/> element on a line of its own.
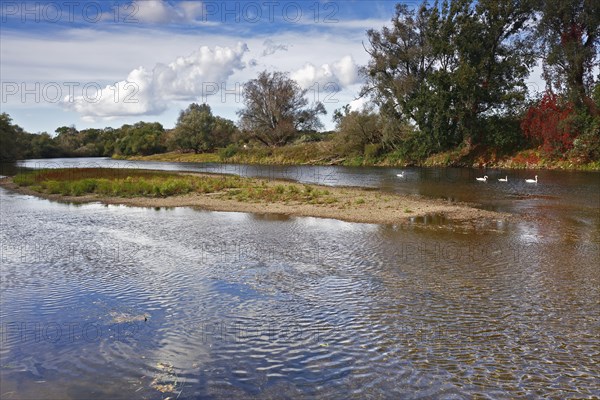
<point x="353" y="205"/>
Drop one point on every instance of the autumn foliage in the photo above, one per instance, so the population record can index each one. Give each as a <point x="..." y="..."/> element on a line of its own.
<point x="550" y="123"/>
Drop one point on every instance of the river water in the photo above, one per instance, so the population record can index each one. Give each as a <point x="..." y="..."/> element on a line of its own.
<point x="123" y="302"/>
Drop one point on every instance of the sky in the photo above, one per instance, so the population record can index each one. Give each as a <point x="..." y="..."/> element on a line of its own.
<point x="95" y="64"/>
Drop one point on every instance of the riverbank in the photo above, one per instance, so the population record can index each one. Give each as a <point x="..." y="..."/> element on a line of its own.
<point x="145" y="188"/>
<point x="323" y="153"/>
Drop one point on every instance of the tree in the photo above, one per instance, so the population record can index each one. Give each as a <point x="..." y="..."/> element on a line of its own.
<point x="356" y="129"/>
<point x="142" y="138"/>
<point x="550" y="123"/>
<point x="224" y="132"/>
<point x="68" y="139"/>
<point x="446" y="68"/>
<point x="43" y="146"/>
<point x="276" y="109"/>
<point x="9" y="149"/>
<point x="569" y="33"/>
<point x="194" y="128"/>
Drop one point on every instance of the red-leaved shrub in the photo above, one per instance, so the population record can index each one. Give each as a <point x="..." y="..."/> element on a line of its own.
<point x="550" y="123"/>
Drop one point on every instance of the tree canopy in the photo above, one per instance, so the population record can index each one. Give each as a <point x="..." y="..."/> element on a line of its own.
<point x="444" y="68"/>
<point x="276" y="109"/>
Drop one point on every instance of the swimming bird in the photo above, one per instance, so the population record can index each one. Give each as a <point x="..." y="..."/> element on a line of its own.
<point x="531" y="180"/>
<point x="484" y="179"/>
<point x="503" y="179"/>
<point x="400" y="175"/>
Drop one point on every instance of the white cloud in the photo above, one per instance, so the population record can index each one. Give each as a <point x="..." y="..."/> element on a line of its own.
<point x="346" y="70"/>
<point x="359" y="104"/>
<point x="150" y="92"/>
<point x="106" y="56"/>
<point x="343" y="73"/>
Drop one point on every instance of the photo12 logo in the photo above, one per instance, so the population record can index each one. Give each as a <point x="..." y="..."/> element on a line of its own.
<point x="67" y="92"/>
<point x="69" y="11"/>
<point x="270" y="11"/>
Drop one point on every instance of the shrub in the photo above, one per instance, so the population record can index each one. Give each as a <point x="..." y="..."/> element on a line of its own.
<point x="586" y="147"/>
<point x="228" y="152"/>
<point x="372" y="151"/>
<point x="550" y="123"/>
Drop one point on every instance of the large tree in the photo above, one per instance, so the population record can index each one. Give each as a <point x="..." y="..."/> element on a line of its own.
<point x="569" y="33"/>
<point x="445" y="68"/>
<point x="276" y="109"/>
<point x="9" y="132"/>
<point x="194" y="128"/>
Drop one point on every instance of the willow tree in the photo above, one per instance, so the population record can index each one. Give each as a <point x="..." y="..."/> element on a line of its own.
<point x="447" y="68"/>
<point x="276" y="109"/>
<point x="569" y="34"/>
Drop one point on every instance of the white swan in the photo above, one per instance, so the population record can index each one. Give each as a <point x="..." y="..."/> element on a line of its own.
<point x="484" y="179"/>
<point x="503" y="179"/>
<point x="400" y="175"/>
<point x="531" y="180"/>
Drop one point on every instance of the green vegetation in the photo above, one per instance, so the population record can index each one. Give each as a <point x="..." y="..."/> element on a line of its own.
<point x="121" y="182"/>
<point x="198" y="130"/>
<point x="446" y="84"/>
<point x="143" y="183"/>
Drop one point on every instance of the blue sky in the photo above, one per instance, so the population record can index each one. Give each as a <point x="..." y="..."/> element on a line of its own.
<point x="106" y="63"/>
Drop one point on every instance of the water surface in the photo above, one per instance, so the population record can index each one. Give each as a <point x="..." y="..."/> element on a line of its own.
<point x="123" y="302"/>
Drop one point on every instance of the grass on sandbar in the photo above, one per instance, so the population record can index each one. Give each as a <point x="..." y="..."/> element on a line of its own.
<point x="144" y="183"/>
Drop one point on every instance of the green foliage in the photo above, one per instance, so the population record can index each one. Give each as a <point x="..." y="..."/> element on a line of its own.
<point x="24" y="179"/>
<point x="280" y="189"/>
<point x="83" y="186"/>
<point x="9" y="150"/>
<point x="293" y="189"/>
<point x="586" y="147"/>
<point x="194" y="128"/>
<point x="199" y="130"/>
<point x="136" y="183"/>
<point x="446" y="67"/>
<point x="568" y="34"/>
<point x="373" y="151"/>
<point x="142" y="138"/>
<point x="356" y="129"/>
<point x="503" y="133"/>
<point x="229" y="151"/>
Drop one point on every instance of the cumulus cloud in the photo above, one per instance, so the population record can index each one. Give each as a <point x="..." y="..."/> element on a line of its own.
<point x="360" y="104"/>
<point x="342" y="73"/>
<point x="146" y="92"/>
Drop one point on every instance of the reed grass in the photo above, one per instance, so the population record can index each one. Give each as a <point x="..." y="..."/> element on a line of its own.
<point x="145" y="183"/>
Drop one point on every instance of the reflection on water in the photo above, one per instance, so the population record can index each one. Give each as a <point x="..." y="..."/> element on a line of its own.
<point x="123" y="302"/>
<point x="430" y="219"/>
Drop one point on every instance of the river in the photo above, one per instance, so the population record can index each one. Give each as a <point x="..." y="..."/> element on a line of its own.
<point x="122" y="302"/>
